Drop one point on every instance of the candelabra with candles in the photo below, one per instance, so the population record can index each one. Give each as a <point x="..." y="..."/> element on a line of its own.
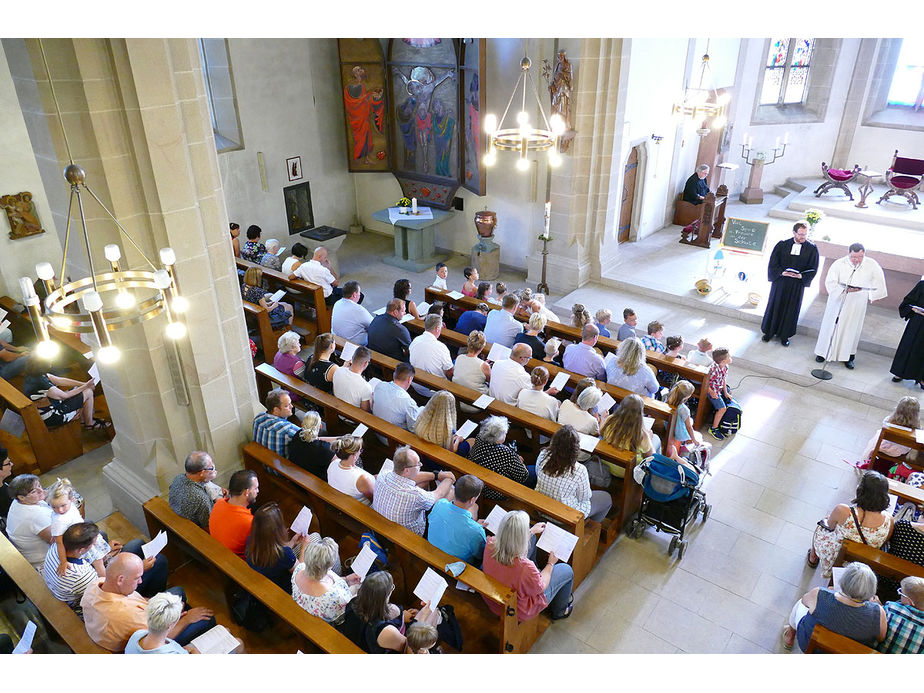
<point x="753" y="194"/>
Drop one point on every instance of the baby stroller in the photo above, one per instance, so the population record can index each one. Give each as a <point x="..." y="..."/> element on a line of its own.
<point x="671" y="499"/>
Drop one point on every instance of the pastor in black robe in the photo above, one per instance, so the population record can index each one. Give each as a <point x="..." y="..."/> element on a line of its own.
<point x="695" y="190"/>
<point x="908" y="363"/>
<point x="785" y="300"/>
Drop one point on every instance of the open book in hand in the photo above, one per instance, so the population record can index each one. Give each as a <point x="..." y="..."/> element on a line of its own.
<point x="218" y="640"/>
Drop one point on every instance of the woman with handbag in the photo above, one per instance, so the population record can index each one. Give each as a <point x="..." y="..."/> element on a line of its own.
<point x="862" y="521"/>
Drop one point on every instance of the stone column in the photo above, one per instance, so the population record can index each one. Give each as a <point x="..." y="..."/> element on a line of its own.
<point x="137" y="120"/>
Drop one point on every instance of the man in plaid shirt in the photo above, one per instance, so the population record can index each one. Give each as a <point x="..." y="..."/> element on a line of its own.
<point x="398" y="497"/>
<point x="906" y="620"/>
<point x="719" y="394"/>
<point x="652" y="340"/>
<point x="272" y="429"/>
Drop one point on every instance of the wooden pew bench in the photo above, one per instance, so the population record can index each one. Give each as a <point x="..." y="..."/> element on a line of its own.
<point x="881" y="562"/>
<point x="698" y="375"/>
<point x="659" y="411"/>
<point x="829" y="642"/>
<point x="297" y="292"/>
<point x="51" y="446"/>
<point x="409" y="555"/>
<point x="314" y="634"/>
<point x="58" y="616"/>
<point x="269" y="338"/>
<point x="539" y="506"/>
<point x="626" y="500"/>
<point x="900" y="436"/>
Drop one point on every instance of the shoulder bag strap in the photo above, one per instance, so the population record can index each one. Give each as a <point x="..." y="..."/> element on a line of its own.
<point x="857" y="522"/>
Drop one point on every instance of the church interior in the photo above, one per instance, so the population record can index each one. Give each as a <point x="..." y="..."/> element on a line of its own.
<point x="180" y="137"/>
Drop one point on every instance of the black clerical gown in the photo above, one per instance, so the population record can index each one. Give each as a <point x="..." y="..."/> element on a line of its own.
<point x="909" y="356"/>
<point x="694" y="189"/>
<point x="785" y="300"/>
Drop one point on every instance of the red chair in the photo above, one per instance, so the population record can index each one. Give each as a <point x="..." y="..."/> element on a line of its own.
<point x="902" y="178"/>
<point x="836" y="178"/>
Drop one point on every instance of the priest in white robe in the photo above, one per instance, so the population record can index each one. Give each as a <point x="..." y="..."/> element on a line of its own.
<point x="852" y="282"/>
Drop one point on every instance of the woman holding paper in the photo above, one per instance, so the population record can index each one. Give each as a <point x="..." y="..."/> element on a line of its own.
<point x="66" y="397"/>
<point x="562" y="478"/>
<point x="436" y="423"/>
<point x="372" y="622"/>
<point x="402" y="291"/>
<point x="470" y="369"/>
<point x="625" y="429"/>
<point x="576" y="411"/>
<point x="280" y="314"/>
<point x="269" y="549"/>
<point x="316" y="587"/>
<point x="509" y="558"/>
<point x="320" y="370"/>
<point x="344" y="475"/>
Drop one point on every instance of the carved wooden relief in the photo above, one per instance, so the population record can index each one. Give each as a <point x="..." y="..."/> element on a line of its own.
<point x="20" y="210"/>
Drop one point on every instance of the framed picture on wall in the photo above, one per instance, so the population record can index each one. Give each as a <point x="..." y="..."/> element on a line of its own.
<point x="299" y="214"/>
<point x="294" y="167"/>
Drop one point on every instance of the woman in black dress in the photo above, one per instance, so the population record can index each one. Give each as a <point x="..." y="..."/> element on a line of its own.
<point x="908" y="363"/>
<point x="531" y="337"/>
<point x="310" y="451"/>
<point x="66" y="397"/>
<point x="320" y="370"/>
<point x="402" y="290"/>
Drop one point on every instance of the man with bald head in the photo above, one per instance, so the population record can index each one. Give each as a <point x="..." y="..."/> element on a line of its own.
<point x="509" y="376"/>
<point x="113" y="609"/>
<point x="583" y="358"/>
<point x="386" y="333"/>
<point x="318" y="271"/>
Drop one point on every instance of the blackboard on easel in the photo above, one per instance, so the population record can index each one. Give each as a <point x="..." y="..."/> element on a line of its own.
<point x="745" y="235"/>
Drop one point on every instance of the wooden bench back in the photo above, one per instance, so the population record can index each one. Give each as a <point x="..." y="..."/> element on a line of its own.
<point x="899" y="436"/>
<point x="409" y="553"/>
<point x="539" y="506"/>
<point x="322" y="635"/>
<point x="269" y="338"/>
<point x="829" y="642"/>
<point x="881" y="562"/>
<point x="301" y="289"/>
<point x="698" y="375"/>
<point x="58" y="616"/>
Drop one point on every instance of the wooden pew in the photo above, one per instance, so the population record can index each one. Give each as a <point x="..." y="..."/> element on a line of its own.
<point x="57" y="615"/>
<point x="299" y="292"/>
<point x="829" y="642"/>
<point x="269" y="337"/>
<point x="21" y="319"/>
<point x="906" y="493"/>
<point x="322" y="636"/>
<point x="881" y="562"/>
<point x="901" y="436"/>
<point x="630" y="495"/>
<point x="51" y="446"/>
<point x="698" y="375"/>
<point x="409" y="555"/>
<point x="659" y="411"/>
<point x="539" y="506"/>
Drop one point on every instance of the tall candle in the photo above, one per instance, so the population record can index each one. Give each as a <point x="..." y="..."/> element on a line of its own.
<point x="548" y="218"/>
<point x="414" y="205"/>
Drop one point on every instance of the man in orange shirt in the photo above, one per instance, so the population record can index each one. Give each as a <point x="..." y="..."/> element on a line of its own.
<point x="231" y="517"/>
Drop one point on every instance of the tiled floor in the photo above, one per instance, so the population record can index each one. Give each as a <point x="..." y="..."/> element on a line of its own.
<point x="745" y="566"/>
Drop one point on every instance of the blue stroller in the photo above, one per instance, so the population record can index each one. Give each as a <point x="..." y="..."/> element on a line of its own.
<point x="671" y="499"/>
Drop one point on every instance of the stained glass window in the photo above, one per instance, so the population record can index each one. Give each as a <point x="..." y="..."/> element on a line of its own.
<point x="787" y="71"/>
<point x="907" y="88"/>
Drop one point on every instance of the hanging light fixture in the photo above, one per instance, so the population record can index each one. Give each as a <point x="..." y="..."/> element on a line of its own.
<point x="703" y="102"/>
<point x="524" y="138"/>
<point x="135" y="295"/>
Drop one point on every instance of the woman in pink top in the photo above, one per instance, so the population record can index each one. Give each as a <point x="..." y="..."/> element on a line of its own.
<point x="470" y="287"/>
<point x="509" y="558"/>
<point x="286" y="359"/>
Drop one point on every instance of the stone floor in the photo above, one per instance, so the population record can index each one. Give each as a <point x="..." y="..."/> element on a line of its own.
<point x="771" y="483"/>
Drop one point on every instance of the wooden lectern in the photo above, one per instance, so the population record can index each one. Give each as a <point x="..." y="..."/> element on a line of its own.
<point x="711" y="220"/>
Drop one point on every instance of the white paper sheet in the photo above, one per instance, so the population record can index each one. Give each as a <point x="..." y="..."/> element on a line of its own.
<point x="836" y="574"/>
<point x="919" y="435"/>
<point x="278" y="295"/>
<point x="648" y="422"/>
<point x="94" y="373"/>
<point x="406" y="317"/>
<point x="374" y="382"/>
<point x="387" y="466"/>
<point x="88" y="355"/>
<point x="281" y="250"/>
<point x="3" y="313"/>
<point x="431" y="587"/>
<point x="347" y="352"/>
<point x="560" y="380"/>
<point x="556" y="539"/>
<point x="218" y="640"/>
<point x="302" y="521"/>
<point x="455" y="295"/>
<point x="360" y="430"/>
<point x="363" y="561"/>
<point x="4" y="325"/>
<point x="467" y="429"/>
<point x="493" y="520"/>
<point x="588" y="443"/>
<point x="893" y="501"/>
<point x="606" y="402"/>
<point x="380" y="311"/>
<point x="498" y="352"/>
<point x="395" y="213"/>
<point x="25" y="642"/>
<point x="155" y="546"/>
<point x="422" y="308"/>
<point x="483" y="402"/>
<point x="493" y="303"/>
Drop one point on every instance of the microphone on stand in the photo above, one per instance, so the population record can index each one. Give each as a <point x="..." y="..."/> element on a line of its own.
<point x="823" y="373"/>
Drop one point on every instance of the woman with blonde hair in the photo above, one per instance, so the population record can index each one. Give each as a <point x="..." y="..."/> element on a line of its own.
<point x="320" y="369"/>
<point x="530" y="336"/>
<point x="602" y="318"/>
<point x="683" y="433"/>
<point x="552" y="348"/>
<point x="470" y="369"/>
<point x="628" y="369"/>
<point x="537" y="305"/>
<point x="65" y="505"/>
<point x="308" y="449"/>
<point x="344" y="474"/>
<point x="535" y="400"/>
<point x="509" y="557"/>
<point x="908" y="414"/>
<point x="580" y="316"/>
<point x="280" y="314"/>
<point x="625" y="429"/>
<point x="436" y="423"/>
<point x="316" y="587"/>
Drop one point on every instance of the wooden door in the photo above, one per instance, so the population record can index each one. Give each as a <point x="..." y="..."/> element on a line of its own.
<point x="628" y="196"/>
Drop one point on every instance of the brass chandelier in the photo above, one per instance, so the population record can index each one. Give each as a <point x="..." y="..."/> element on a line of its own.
<point x="703" y="102"/>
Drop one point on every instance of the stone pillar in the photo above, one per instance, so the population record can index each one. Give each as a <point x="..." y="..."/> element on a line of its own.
<point x="137" y="120"/>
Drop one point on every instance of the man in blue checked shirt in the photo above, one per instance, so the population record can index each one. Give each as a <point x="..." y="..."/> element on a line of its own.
<point x="272" y="429"/>
<point x="906" y="619"/>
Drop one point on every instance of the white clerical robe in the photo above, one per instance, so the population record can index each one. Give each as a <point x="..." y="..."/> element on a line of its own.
<point x="869" y="276"/>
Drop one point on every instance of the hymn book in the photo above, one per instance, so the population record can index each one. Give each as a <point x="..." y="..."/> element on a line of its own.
<point x="557" y="540"/>
<point x="218" y="640"/>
